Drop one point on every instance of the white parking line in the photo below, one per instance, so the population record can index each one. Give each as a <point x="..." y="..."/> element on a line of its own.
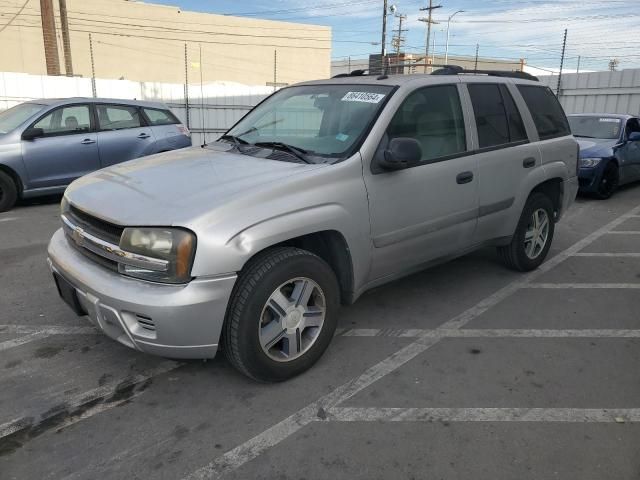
<point x="91" y="397"/>
<point x="583" y="285"/>
<point x="7" y="344"/>
<point x="603" y="254"/>
<point x="8" y="219"/>
<point x="38" y="333"/>
<point x="579" y="415"/>
<point x="624" y="232"/>
<point x="491" y="333"/>
<point x="238" y="456"/>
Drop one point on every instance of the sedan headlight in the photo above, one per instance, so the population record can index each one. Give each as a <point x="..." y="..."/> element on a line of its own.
<point x="589" y="162"/>
<point x="175" y="248"/>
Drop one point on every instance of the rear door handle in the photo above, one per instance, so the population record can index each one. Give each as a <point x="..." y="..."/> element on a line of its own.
<point x="529" y="162"/>
<point x="87" y="141"/>
<point x="464" y="177"/>
<point x="144" y="135"/>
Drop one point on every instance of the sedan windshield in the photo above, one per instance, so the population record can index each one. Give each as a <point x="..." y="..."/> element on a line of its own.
<point x="313" y="122"/>
<point x="595" y="126"/>
<point x="13" y="117"/>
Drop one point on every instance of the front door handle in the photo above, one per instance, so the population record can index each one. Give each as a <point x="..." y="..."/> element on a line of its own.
<point x="87" y="141"/>
<point x="529" y="162"/>
<point x="464" y="177"/>
<point x="144" y="135"/>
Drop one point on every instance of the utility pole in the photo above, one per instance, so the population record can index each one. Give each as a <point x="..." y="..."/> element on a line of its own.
<point x="564" y="45"/>
<point x="186" y="86"/>
<point x="429" y="20"/>
<point x="475" y="65"/>
<point x="66" y="41"/>
<point x="275" y="69"/>
<point x="93" y="68"/>
<point x="398" y="40"/>
<point x="49" y="36"/>
<point x="383" y="52"/>
<point x="578" y="67"/>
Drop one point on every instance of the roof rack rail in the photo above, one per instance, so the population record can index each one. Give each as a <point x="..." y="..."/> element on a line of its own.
<point x="354" y="73"/>
<point x="457" y="70"/>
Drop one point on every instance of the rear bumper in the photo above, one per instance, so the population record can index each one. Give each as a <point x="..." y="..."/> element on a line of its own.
<point x="176" y="321"/>
<point x="570" y="192"/>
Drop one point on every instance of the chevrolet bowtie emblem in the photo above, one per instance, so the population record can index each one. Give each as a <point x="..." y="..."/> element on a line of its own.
<point x="78" y="236"/>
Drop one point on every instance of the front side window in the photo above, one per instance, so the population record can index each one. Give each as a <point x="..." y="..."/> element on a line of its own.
<point x="595" y="126"/>
<point x="160" y="117"/>
<point x="65" y="121"/>
<point x="324" y="121"/>
<point x="432" y="116"/>
<point x="546" y="111"/>
<point x="497" y="118"/>
<point x="15" y="116"/>
<point x="118" y="117"/>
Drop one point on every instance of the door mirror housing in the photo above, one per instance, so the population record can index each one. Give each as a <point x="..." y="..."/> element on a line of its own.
<point x="402" y="152"/>
<point x="634" y="137"/>
<point x="31" y="133"/>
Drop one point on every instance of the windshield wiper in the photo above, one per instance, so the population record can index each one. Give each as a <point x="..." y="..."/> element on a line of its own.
<point x="584" y="136"/>
<point x="235" y="139"/>
<point x="295" y="151"/>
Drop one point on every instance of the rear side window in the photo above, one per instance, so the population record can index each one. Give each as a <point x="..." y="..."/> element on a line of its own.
<point x="433" y="116"/>
<point x="497" y="118"/>
<point x="160" y="117"/>
<point x="118" y="117"/>
<point x="546" y="111"/>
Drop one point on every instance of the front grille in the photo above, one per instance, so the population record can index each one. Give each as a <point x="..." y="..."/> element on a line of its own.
<point x="102" y="261"/>
<point x="96" y="226"/>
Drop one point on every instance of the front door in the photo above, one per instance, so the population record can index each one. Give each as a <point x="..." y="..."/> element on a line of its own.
<point x="67" y="150"/>
<point x="629" y="153"/>
<point x="123" y="134"/>
<point x="429" y="210"/>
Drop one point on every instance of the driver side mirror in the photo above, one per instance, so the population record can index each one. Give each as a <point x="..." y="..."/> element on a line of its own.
<point x="31" y="133"/>
<point x="402" y="152"/>
<point x="634" y="137"/>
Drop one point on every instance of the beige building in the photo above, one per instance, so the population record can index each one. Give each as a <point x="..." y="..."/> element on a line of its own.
<point x="145" y="42"/>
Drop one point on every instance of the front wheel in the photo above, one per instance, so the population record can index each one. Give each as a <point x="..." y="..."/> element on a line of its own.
<point x="282" y="315"/>
<point x="534" y="234"/>
<point x="609" y="181"/>
<point x="8" y="192"/>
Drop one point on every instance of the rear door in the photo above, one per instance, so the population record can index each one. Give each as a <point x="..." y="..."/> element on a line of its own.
<point x="505" y="156"/>
<point x="67" y="150"/>
<point x="123" y="134"/>
<point x="629" y="152"/>
<point x="167" y="129"/>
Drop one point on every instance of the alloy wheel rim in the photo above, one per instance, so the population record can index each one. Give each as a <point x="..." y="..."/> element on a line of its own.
<point x="537" y="234"/>
<point x="608" y="182"/>
<point x="292" y="319"/>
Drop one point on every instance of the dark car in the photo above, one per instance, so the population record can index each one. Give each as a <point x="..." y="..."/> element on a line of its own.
<point x="46" y="144"/>
<point x="609" y="151"/>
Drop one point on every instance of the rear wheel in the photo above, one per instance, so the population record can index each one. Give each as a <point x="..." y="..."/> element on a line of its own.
<point x="8" y="192"/>
<point x="534" y="234"/>
<point x="282" y="316"/>
<point x="609" y="181"/>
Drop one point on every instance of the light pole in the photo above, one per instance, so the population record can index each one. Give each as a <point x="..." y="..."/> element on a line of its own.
<point x="446" y="50"/>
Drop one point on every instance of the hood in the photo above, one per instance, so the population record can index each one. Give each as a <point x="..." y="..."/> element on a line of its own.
<point x="177" y="187"/>
<point x="596" y="147"/>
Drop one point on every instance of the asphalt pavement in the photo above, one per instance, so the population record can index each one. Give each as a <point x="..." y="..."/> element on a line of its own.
<point x="464" y="371"/>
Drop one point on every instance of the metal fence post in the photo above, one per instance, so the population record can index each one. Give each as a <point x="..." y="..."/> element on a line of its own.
<point x="93" y="68"/>
<point x="186" y="86"/>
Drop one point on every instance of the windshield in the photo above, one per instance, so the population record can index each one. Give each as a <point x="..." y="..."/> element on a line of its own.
<point x="13" y="117"/>
<point x="595" y="127"/>
<point x="320" y="120"/>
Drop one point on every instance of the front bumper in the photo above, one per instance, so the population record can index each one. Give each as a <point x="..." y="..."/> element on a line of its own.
<point x="175" y="321"/>
<point x="589" y="179"/>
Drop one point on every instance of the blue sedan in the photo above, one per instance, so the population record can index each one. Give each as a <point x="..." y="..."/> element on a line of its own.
<point x="46" y="144"/>
<point x="609" y="151"/>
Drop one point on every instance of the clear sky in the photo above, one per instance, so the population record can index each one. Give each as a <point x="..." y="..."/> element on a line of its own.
<point x="598" y="30"/>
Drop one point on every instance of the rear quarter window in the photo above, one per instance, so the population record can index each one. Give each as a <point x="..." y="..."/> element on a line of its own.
<point x="160" y="117"/>
<point x="548" y="116"/>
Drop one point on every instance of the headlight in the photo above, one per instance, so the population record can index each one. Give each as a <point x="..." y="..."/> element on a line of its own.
<point x="177" y="247"/>
<point x="589" y="162"/>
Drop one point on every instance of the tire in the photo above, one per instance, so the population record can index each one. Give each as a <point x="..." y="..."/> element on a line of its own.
<point x="608" y="182"/>
<point x="256" y="311"/>
<point x="8" y="192"/>
<point x="518" y="255"/>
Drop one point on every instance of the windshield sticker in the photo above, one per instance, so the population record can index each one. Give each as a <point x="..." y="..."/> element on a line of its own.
<point x="342" y="137"/>
<point x="366" y="97"/>
<point x="611" y="120"/>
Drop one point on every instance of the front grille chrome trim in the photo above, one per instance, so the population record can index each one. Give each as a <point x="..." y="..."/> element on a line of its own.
<point x="108" y="250"/>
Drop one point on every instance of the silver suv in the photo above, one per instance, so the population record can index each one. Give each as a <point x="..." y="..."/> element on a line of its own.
<point x="322" y="192"/>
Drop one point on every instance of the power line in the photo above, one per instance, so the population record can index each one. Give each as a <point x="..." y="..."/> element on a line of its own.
<point x="14" y="17"/>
